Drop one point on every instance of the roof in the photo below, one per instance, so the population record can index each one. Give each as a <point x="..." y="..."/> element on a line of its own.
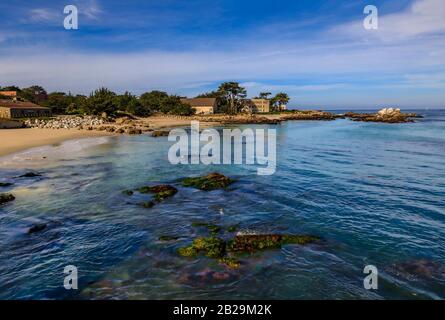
<point x="200" y="102"/>
<point x="20" y="105"/>
<point x="9" y="93"/>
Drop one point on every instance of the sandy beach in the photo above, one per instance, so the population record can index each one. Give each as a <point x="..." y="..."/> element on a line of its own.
<point x="14" y="140"/>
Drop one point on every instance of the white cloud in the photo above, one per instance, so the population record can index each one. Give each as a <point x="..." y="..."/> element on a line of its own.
<point x="327" y="64"/>
<point x="423" y="17"/>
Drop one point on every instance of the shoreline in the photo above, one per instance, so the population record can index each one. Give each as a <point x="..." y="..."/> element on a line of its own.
<point x="17" y="140"/>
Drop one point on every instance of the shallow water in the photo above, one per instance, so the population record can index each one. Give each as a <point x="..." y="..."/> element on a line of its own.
<point x="375" y="193"/>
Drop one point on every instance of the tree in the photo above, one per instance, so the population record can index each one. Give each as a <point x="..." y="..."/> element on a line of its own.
<point x="211" y="94"/>
<point x="232" y="92"/>
<point x="153" y="100"/>
<point x="35" y="94"/>
<point x="58" y="102"/>
<point x="279" y="100"/>
<point x="264" y="95"/>
<point x="101" y="100"/>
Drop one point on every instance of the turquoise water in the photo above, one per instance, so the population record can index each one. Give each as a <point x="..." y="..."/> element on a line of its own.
<point x="374" y="192"/>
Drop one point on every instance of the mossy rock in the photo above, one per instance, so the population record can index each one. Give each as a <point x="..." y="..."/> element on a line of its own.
<point x="148" y="204"/>
<point x="127" y="192"/>
<point x="232" y="263"/>
<point x="189" y="251"/>
<point x="5" y="184"/>
<point x="232" y="228"/>
<point x="213" y="228"/>
<point x="212" y="247"/>
<point x="168" y="238"/>
<point x="209" y="182"/>
<point x="253" y="243"/>
<point x="161" y="191"/>
<point x="6" y="197"/>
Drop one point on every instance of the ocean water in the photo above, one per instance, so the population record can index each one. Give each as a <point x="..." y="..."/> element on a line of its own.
<point x="374" y="193"/>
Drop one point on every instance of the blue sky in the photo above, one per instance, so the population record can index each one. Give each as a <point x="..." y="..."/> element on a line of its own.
<point x="316" y="51"/>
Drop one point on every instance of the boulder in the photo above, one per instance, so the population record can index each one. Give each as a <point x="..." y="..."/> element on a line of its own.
<point x="37" y="228"/>
<point x="6" y="197"/>
<point x="161" y="191"/>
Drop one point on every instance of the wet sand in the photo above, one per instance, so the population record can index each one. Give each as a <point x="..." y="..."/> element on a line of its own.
<point x="15" y="140"/>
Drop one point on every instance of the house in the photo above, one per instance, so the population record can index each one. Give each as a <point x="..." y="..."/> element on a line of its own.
<point x="261" y="105"/>
<point x="10" y="109"/>
<point x="12" y="94"/>
<point x="202" y="105"/>
<point x="255" y="105"/>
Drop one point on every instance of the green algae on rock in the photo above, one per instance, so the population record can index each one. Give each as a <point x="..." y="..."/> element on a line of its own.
<point x="6" y="197"/>
<point x="209" y="182"/>
<point x="252" y="243"/>
<point x="232" y="263"/>
<point x="212" y="247"/>
<point x="213" y="228"/>
<point x="161" y="191"/>
<point x="232" y="228"/>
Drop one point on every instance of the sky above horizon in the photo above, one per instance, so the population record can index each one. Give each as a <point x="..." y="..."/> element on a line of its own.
<point x="316" y="51"/>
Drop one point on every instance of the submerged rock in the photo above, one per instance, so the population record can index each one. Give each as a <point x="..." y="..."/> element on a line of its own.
<point x="30" y="175"/>
<point x="37" y="228"/>
<point x="168" y="238"/>
<point x="5" y="184"/>
<point x="253" y="243"/>
<point x="127" y="192"/>
<point x="148" y="204"/>
<point x="161" y="191"/>
<point x="6" y="197"/>
<point x="418" y="269"/>
<point x="209" y="182"/>
<point x="233" y="228"/>
<point x="213" y="228"/>
<point x="232" y="263"/>
<point x="160" y="133"/>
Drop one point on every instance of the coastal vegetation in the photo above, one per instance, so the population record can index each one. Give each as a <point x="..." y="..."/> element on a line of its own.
<point x="230" y="100"/>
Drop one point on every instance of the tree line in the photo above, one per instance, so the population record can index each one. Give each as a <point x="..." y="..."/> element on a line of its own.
<point x="230" y="99"/>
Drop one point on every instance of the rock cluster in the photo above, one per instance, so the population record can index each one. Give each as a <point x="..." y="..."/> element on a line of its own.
<point x="386" y="115"/>
<point x="224" y="251"/>
<point x="76" y="122"/>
